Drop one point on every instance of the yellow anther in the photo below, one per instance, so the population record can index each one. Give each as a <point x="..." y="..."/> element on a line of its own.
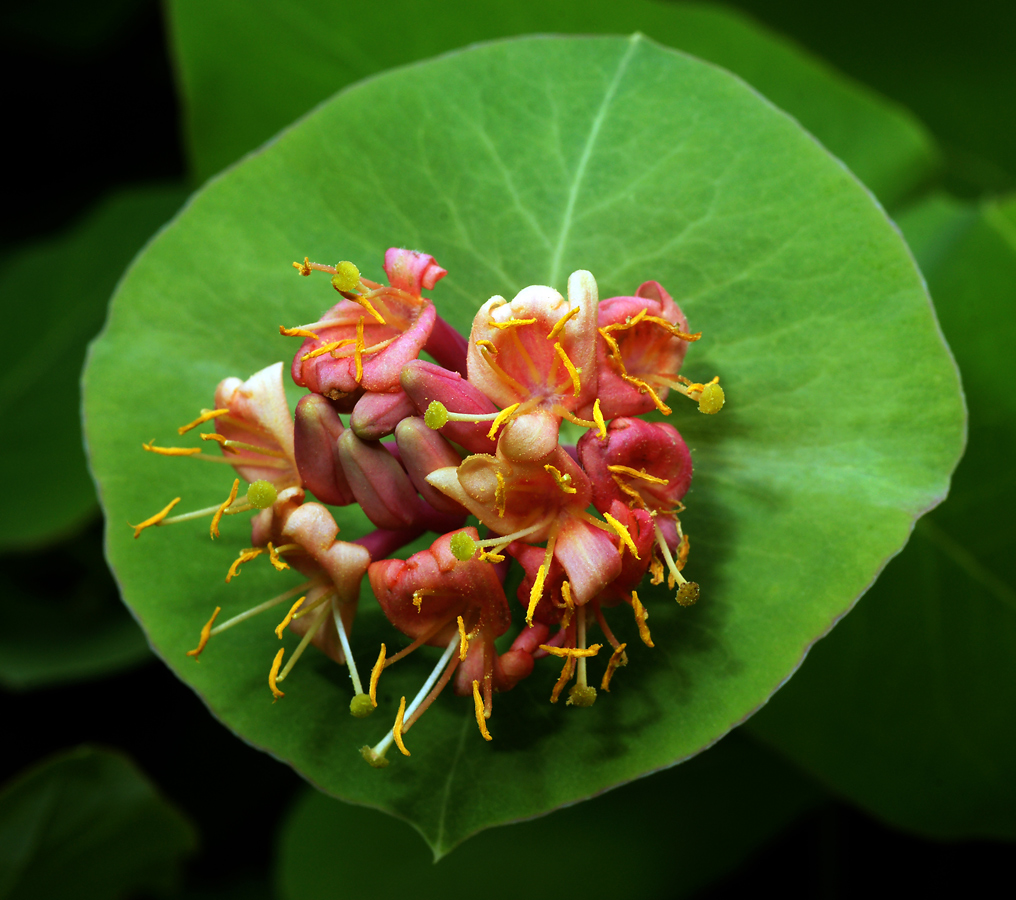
<point x="490" y="556"/>
<point x="273" y="556"/>
<point x="206" y="631"/>
<point x="273" y="674"/>
<point x="598" y="419"/>
<point x="501" y="418"/>
<point x="536" y="593"/>
<point x="367" y="305"/>
<point x="297" y="332"/>
<point x="682" y="552"/>
<point x="573" y="373"/>
<point x="566" y="674"/>
<point x="463" y="641"/>
<point x="622" y="533"/>
<point x="481" y="719"/>
<point x="568" y="603"/>
<point x="397" y="728"/>
<point x="656" y="570"/>
<point x="358" y="350"/>
<point x="156" y="519"/>
<point x="245" y="556"/>
<point x="289" y="618"/>
<point x="325" y="348"/>
<point x="487" y="345"/>
<point x="673" y="329"/>
<point x="304" y="267"/>
<point x="500" y="495"/>
<point x="617" y="659"/>
<point x="418" y="596"/>
<point x="170" y="451"/>
<point x="206" y="416"/>
<point x="560" y="323"/>
<point x="615" y="351"/>
<point x="511" y="323"/>
<point x="631" y="492"/>
<point x="564" y="482"/>
<point x="218" y="438"/>
<point x="213" y="529"/>
<point x="637" y="473"/>
<point x="375" y="674"/>
<point x="576" y="652"/>
<point x="647" y="389"/>
<point x="641" y="614"/>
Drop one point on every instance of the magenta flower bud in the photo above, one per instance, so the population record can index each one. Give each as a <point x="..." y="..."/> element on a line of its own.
<point x="376" y="415"/>
<point x="379" y="484"/>
<point x="425" y="382"/>
<point x="645" y="462"/>
<point x="423" y="450"/>
<point x="316" y="436"/>
<point x="447" y="346"/>
<point x="412" y="271"/>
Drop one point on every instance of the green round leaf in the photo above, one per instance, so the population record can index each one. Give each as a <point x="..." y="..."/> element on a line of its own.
<point x="514" y="164"/>
<point x="88" y="824"/>
<point x="907" y="709"/>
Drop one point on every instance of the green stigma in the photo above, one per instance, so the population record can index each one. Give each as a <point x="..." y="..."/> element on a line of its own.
<point x="376" y="761"/>
<point x="582" y="695"/>
<point x="261" y="494"/>
<point x="360" y="706"/>
<point x="712" y="398"/>
<point x="346" y="277"/>
<point x="462" y="546"/>
<point x="436" y="415"/>
<point x="688" y="593"/>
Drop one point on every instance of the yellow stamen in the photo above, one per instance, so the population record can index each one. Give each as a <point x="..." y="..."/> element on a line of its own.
<point x="559" y="410"/>
<point x="274" y="673"/>
<point x="488" y="358"/>
<point x="573" y="373"/>
<point x="481" y="720"/>
<point x="618" y="658"/>
<point x="367" y="305"/>
<point x="397" y="728"/>
<point x="490" y="556"/>
<point x="564" y="482"/>
<point x="641" y="614"/>
<point x="217" y="517"/>
<point x="568" y="603"/>
<point x="156" y="519"/>
<point x="206" y="632"/>
<point x="682" y="552"/>
<point x="289" y="618"/>
<point x="560" y="323"/>
<point x="375" y="674"/>
<point x="297" y="332"/>
<point x="630" y="491"/>
<point x="463" y="641"/>
<point x="273" y="555"/>
<point x="637" y="473"/>
<point x="646" y="389"/>
<point x="656" y="570"/>
<point x="170" y="451"/>
<point x="418" y="596"/>
<point x="622" y="533"/>
<point x="502" y="417"/>
<point x="598" y="419"/>
<point x="304" y="267"/>
<point x="500" y="495"/>
<point x="566" y="674"/>
<point x="358" y="350"/>
<point x="325" y="348"/>
<point x="511" y="323"/>
<point x="206" y="415"/>
<point x="537" y="591"/>
<point x="245" y="556"/>
<point x="673" y="329"/>
<point x="488" y="345"/>
<point x="575" y="652"/>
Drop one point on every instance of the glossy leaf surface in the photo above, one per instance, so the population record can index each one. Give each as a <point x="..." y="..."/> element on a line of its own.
<point x="906" y="708"/>
<point x="667" y="836"/>
<point x="514" y="164"/>
<point x="88" y="824"/>
<point x="286" y="57"/>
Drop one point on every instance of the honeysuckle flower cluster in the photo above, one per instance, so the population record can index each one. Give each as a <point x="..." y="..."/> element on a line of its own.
<point x="436" y="446"/>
